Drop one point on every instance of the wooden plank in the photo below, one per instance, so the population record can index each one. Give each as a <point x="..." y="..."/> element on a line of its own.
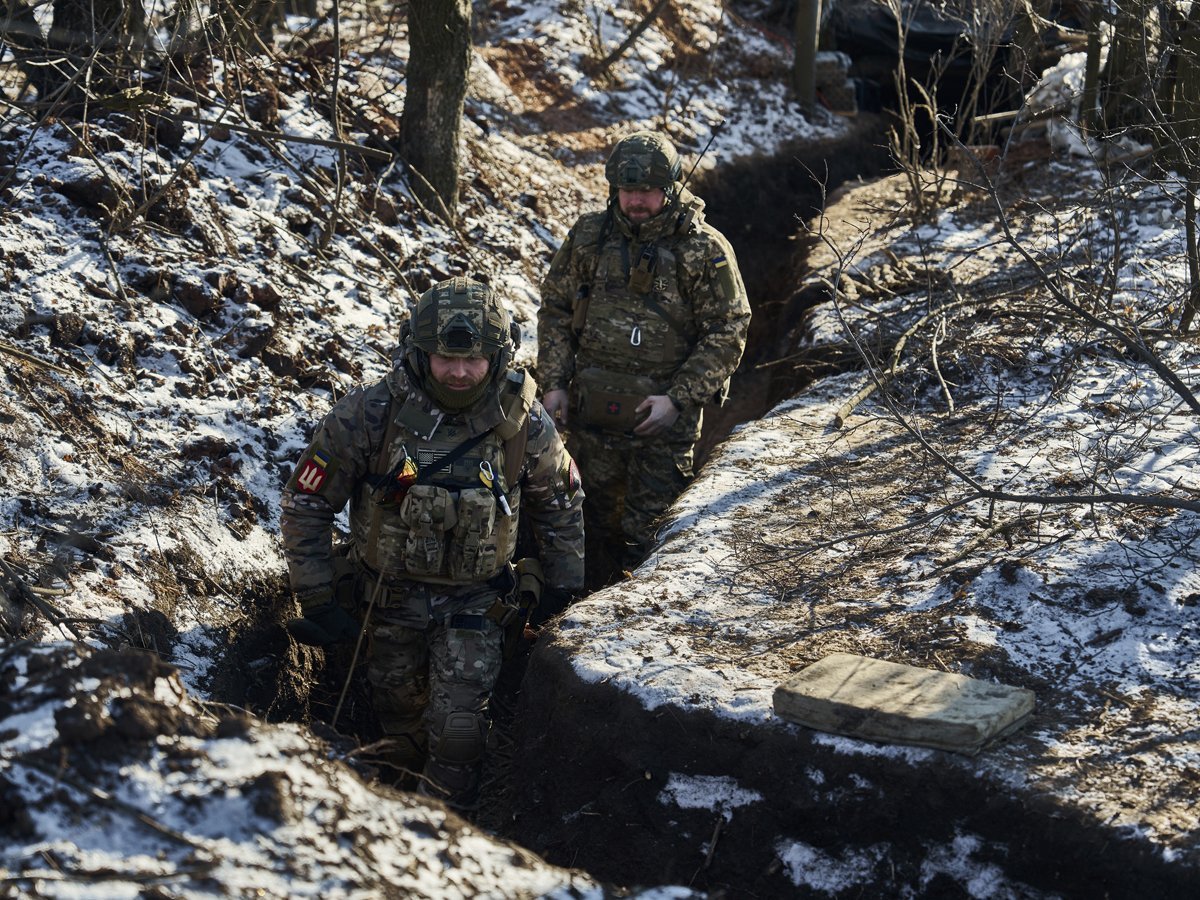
<point x="884" y="701"/>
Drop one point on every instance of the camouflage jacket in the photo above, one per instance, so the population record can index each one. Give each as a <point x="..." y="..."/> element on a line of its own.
<point x="347" y="461"/>
<point x="684" y="326"/>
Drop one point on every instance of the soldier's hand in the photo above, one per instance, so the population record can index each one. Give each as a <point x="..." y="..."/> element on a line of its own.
<point x="555" y="402"/>
<point x="661" y="414"/>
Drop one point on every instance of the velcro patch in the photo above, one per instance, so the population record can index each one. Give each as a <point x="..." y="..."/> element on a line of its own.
<point x="726" y="279"/>
<point x="311" y="475"/>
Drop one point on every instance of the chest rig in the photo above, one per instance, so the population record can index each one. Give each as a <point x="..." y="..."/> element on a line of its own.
<point x="441" y="501"/>
<point x="637" y="318"/>
<point x="633" y="326"/>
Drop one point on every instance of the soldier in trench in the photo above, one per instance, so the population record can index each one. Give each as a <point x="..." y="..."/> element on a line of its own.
<point x="643" y="320"/>
<point x="436" y="460"/>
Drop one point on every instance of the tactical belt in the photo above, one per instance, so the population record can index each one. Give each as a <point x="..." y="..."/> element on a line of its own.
<point x="507" y="607"/>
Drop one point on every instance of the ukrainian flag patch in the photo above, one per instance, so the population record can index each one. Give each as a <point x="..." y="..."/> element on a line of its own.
<point x="720" y="262"/>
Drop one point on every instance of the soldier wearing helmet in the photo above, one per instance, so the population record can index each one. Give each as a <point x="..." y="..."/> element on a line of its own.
<point x="643" y="320"/>
<point x="436" y="461"/>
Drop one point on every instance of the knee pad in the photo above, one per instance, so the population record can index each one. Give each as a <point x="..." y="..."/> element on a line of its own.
<point x="461" y="740"/>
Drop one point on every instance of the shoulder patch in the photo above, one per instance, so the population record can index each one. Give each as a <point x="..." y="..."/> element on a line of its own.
<point x="725" y="274"/>
<point x="313" y="472"/>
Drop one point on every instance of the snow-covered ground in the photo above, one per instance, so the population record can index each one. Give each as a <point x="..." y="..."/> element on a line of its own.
<point x="163" y="370"/>
<point x="162" y="376"/>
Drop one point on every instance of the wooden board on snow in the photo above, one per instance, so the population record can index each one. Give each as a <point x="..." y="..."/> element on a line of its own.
<point x="883" y="701"/>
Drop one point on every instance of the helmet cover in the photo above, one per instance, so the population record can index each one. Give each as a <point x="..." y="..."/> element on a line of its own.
<point x="643" y="161"/>
<point x="461" y="317"/>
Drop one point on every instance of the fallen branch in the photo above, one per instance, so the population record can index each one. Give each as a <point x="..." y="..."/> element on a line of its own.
<point x="30" y="358"/>
<point x="847" y="408"/>
<point x="637" y="32"/>
<point x="287" y="138"/>
<point x="1132" y="343"/>
<point x="59" y="775"/>
<point x="42" y="606"/>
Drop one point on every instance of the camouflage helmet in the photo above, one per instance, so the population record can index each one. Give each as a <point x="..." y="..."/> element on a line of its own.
<point x="461" y="317"/>
<point x="642" y="161"/>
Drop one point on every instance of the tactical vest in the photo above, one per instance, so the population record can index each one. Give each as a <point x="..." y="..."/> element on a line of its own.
<point x="634" y="329"/>
<point x="451" y="527"/>
<point x="645" y="332"/>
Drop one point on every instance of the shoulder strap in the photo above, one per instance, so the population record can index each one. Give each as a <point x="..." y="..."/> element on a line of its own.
<point x="451" y="457"/>
<point x="514" y="456"/>
<point x="583" y="296"/>
<point x="367" y="553"/>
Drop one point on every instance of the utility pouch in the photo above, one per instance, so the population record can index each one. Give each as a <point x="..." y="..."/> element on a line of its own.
<point x="530" y="581"/>
<point x="429" y="512"/>
<point x="641" y="276"/>
<point x="579" y="312"/>
<point x="607" y="399"/>
<point x="474" y="552"/>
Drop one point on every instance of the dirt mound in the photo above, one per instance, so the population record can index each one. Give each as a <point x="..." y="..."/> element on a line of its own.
<point x="111" y="774"/>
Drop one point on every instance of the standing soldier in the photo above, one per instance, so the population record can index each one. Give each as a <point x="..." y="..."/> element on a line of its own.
<point x="643" y="320"/>
<point x="435" y="460"/>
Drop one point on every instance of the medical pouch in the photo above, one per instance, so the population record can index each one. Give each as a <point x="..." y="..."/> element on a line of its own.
<point x="607" y="399"/>
<point x="429" y="512"/>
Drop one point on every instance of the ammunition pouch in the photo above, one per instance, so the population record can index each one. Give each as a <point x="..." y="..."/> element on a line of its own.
<point x="607" y="399"/>
<point x="475" y="554"/>
<point x="429" y="512"/>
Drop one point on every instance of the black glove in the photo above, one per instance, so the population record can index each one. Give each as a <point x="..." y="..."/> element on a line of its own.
<point x="323" y="624"/>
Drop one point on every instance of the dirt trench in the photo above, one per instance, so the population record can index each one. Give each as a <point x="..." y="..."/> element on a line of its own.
<point x="595" y="762"/>
<point x="764" y="205"/>
<point x="760" y="204"/>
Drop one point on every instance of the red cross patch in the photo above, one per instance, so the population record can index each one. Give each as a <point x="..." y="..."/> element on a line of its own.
<point x="613" y="408"/>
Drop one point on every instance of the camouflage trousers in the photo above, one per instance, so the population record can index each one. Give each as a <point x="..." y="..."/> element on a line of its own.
<point x="628" y="482"/>
<point x="431" y="680"/>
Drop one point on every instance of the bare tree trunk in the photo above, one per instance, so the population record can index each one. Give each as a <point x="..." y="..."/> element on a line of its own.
<point x="1125" y="83"/>
<point x="1186" y="110"/>
<point x="439" y="34"/>
<point x="1088" y="110"/>
<point x="804" y="67"/>
<point x="22" y="36"/>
